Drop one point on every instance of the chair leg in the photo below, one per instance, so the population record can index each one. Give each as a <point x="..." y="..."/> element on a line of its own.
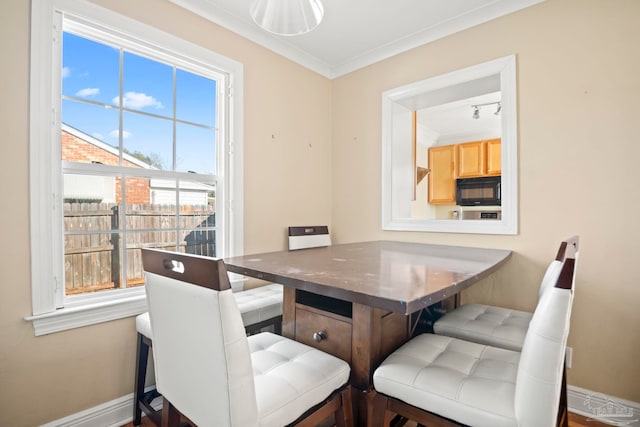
<point x="563" y="415"/>
<point x="142" y="399"/>
<point x="381" y="417"/>
<point x="277" y="327"/>
<point x="142" y="355"/>
<point x="170" y="415"/>
<point x="344" y="414"/>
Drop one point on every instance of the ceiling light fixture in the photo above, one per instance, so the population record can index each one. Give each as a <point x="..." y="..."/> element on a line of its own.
<point x="476" y="108"/>
<point x="287" y="17"/>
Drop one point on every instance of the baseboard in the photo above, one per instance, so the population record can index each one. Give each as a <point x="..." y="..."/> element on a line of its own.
<point x="607" y="409"/>
<point x="115" y="413"/>
<point x="590" y="404"/>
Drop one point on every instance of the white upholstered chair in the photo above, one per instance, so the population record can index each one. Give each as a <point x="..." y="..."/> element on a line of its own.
<point x="208" y="370"/>
<point x="260" y="307"/>
<point x="445" y="381"/>
<point x="498" y="326"/>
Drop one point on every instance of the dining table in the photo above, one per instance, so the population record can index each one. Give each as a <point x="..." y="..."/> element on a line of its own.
<point x="361" y="301"/>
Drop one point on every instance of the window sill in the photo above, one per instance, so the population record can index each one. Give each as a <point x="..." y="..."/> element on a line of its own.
<point x="87" y="314"/>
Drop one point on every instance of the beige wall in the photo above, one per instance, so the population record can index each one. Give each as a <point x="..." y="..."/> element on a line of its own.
<point x="287" y="182"/>
<point x="578" y="68"/>
<point x="578" y="64"/>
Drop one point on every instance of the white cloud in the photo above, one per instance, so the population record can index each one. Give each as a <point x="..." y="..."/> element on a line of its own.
<point x="138" y="101"/>
<point x="115" y="133"/>
<point x="88" y="92"/>
<point x="66" y="72"/>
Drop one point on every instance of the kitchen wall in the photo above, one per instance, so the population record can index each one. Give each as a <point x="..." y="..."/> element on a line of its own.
<point x="287" y="182"/>
<point x="578" y="64"/>
<point x="312" y="155"/>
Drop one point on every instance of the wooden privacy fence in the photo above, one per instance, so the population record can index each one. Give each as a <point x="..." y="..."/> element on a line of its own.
<point x="95" y="250"/>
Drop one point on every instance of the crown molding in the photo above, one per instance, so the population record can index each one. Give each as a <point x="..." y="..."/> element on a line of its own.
<point x="251" y="32"/>
<point x="290" y="51"/>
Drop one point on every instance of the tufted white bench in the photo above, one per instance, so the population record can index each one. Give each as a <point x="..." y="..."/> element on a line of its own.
<point x="259" y="307"/>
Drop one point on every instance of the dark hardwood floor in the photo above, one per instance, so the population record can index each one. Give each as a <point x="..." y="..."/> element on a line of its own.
<point x="574" y="421"/>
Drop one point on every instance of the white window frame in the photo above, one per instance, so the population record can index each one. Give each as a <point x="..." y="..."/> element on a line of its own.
<point x="51" y="311"/>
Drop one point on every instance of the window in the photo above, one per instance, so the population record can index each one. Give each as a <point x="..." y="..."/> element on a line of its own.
<point x="146" y="118"/>
<point x="135" y="142"/>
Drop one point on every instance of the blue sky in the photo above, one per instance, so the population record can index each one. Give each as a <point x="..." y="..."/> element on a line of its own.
<point x="91" y="71"/>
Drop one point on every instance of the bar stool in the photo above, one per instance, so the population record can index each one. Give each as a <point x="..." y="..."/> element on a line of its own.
<point x="446" y="381"/>
<point x="259" y="307"/>
<point x="211" y="373"/>
<point x="499" y="326"/>
<point x="142" y="399"/>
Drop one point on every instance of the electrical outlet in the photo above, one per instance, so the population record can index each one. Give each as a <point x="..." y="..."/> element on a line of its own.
<point x="568" y="357"/>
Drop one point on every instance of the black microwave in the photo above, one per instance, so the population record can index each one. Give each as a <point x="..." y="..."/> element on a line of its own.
<point x="483" y="191"/>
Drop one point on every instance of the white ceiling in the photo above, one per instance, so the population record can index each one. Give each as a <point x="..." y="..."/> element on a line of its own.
<point x="453" y="122"/>
<point x="357" y="33"/>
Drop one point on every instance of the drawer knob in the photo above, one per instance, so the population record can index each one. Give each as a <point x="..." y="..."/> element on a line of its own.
<point x="319" y="336"/>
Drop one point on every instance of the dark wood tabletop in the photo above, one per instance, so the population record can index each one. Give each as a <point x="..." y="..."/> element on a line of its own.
<point x="401" y="277"/>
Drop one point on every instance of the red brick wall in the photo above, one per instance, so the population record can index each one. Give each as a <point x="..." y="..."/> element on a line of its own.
<point x="78" y="150"/>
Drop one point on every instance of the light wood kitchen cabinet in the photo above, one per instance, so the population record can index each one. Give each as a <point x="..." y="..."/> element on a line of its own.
<point x="479" y="158"/>
<point x="465" y="160"/>
<point x="494" y="156"/>
<point x="471" y="159"/>
<point x="442" y="175"/>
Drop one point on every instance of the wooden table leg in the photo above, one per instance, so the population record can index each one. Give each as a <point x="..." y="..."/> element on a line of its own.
<point x="289" y="312"/>
<point x="376" y="333"/>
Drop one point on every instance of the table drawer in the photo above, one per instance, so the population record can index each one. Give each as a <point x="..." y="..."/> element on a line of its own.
<point x="336" y="338"/>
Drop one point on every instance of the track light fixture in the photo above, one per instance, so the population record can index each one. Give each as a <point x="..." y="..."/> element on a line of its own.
<point x="476" y="108"/>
